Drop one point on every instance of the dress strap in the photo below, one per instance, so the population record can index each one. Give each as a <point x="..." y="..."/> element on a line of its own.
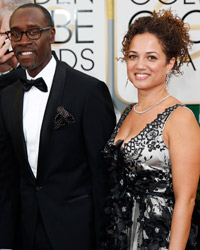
<point x="122" y="118"/>
<point x="126" y="111"/>
<point x="163" y="117"/>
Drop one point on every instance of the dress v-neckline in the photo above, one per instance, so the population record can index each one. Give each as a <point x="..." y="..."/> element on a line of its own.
<point x="123" y="117"/>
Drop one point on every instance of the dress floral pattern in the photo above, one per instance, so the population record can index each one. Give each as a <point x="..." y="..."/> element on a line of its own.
<point x="140" y="203"/>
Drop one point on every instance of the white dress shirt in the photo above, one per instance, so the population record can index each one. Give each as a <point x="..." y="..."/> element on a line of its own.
<point x="33" y="112"/>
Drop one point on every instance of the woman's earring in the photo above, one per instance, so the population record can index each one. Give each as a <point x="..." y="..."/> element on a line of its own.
<point x="167" y="78"/>
<point x="127" y="81"/>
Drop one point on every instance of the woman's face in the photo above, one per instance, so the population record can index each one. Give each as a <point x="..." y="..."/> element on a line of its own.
<point x="147" y="65"/>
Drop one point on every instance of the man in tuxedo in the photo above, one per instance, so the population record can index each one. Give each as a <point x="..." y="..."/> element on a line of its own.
<point x="52" y="133"/>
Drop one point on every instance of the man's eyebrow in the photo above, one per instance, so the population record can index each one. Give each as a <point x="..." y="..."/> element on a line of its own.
<point x="29" y="26"/>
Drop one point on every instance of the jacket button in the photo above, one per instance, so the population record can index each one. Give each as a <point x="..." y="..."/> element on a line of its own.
<point x="37" y="188"/>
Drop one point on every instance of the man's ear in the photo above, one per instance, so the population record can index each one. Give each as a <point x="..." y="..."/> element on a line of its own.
<point x="52" y="33"/>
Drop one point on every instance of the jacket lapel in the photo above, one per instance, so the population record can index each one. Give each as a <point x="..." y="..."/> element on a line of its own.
<point x="54" y="101"/>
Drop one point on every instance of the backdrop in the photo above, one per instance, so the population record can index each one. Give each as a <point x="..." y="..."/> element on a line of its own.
<point x="81" y="34"/>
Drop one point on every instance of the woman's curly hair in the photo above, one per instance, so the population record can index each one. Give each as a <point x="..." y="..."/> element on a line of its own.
<point x="170" y="30"/>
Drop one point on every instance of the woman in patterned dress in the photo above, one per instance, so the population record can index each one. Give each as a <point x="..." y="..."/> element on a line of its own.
<point x="154" y="151"/>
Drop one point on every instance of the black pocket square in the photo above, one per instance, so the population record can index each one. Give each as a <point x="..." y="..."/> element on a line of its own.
<point x="62" y="118"/>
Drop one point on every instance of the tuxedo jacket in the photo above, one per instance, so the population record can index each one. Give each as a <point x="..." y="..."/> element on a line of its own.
<point x="11" y="77"/>
<point x="70" y="188"/>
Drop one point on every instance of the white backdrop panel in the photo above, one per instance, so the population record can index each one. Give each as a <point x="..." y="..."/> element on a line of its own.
<point x="81" y="34"/>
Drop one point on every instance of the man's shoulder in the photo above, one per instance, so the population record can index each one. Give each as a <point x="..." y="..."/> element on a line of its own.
<point x="13" y="75"/>
<point x="6" y="91"/>
<point x="9" y="79"/>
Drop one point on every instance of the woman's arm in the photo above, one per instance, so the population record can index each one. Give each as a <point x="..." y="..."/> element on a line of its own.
<point x="184" y="145"/>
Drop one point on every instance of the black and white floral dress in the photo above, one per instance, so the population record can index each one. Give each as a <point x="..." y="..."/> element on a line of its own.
<point x="140" y="203"/>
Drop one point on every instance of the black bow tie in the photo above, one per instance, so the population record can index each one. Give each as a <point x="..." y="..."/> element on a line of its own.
<point x="38" y="83"/>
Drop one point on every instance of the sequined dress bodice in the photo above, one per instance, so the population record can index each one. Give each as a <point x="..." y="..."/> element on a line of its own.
<point x="140" y="203"/>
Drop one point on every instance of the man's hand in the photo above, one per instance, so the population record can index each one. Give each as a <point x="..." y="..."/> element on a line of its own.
<point x="7" y="61"/>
